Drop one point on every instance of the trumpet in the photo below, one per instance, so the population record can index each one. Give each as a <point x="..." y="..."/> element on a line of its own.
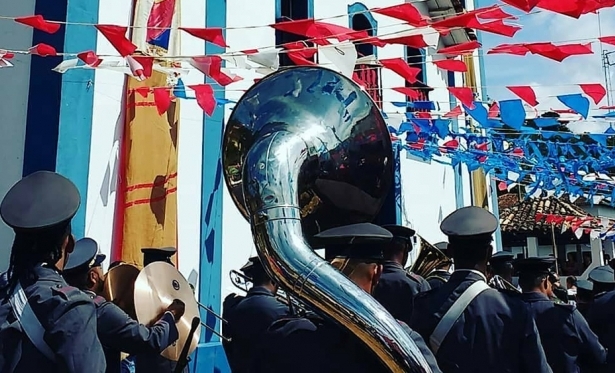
<point x="498" y="282"/>
<point x="242" y="282"/>
<point x="429" y="259"/>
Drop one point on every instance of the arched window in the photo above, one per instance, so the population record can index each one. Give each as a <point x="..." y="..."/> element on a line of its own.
<point x="360" y="19"/>
<point x="287" y="10"/>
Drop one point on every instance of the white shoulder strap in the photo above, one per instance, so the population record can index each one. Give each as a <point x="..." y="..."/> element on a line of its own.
<point x="453" y="313"/>
<point x="29" y="322"/>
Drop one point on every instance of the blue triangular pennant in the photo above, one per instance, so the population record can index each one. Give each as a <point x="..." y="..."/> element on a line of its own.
<point x="512" y="113"/>
<point x="479" y="113"/>
<point x="577" y="102"/>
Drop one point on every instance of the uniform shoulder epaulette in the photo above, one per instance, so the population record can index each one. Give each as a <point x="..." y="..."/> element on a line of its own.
<point x="98" y="300"/>
<point x="232" y="300"/>
<point x="435" y="277"/>
<point x="286" y="326"/>
<point x="414" y="276"/>
<point x="423" y="294"/>
<point x="69" y="293"/>
<point x="509" y="292"/>
<point x="569" y="307"/>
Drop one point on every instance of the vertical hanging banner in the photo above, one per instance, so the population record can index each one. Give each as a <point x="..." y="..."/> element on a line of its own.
<point x="146" y="211"/>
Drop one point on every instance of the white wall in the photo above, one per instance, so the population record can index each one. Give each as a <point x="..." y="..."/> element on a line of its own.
<point x="107" y="124"/>
<point x="109" y="88"/>
<point x="428" y="188"/>
<point x="237" y="244"/>
<point x="13" y="107"/>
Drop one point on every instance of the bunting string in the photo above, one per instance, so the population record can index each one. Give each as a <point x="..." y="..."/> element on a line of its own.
<point x="511" y="140"/>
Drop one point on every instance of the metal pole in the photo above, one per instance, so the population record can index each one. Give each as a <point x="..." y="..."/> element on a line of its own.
<point x="605" y="64"/>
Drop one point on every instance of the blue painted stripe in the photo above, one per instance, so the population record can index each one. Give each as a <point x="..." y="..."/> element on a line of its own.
<point x="77" y="106"/>
<point x="397" y="152"/>
<point x="44" y="94"/>
<point x="209" y="356"/>
<point x="483" y="93"/>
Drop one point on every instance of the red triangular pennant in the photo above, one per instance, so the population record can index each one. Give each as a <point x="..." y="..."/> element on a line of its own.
<point x="39" y="23"/>
<point x="212" y="34"/>
<point x="117" y="37"/>
<point x="162" y="99"/>
<point x="526" y="93"/>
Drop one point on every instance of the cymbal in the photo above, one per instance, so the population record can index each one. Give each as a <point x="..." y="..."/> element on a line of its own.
<point x="156" y="287"/>
<point x="119" y="287"/>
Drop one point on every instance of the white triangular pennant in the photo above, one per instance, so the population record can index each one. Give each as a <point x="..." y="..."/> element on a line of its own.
<point x="135" y="68"/>
<point x="268" y="58"/>
<point x="5" y="63"/>
<point x="342" y="55"/>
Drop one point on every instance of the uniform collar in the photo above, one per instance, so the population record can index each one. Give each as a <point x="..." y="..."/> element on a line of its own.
<point x="472" y="272"/>
<point x="534" y="296"/>
<point x="48" y="273"/>
<point x="392" y="264"/>
<point x="90" y="293"/>
<point x="259" y="290"/>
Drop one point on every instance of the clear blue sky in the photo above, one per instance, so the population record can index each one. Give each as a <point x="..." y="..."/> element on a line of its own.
<point x="549" y="78"/>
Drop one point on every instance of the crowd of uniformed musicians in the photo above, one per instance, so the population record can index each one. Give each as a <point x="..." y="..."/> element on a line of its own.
<point x="53" y="319"/>
<point x="478" y="318"/>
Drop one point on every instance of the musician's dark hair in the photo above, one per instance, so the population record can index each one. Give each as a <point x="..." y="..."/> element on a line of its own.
<point x="601" y="287"/>
<point x="396" y="246"/>
<point x="259" y="276"/>
<point x="78" y="279"/>
<point x="469" y="251"/>
<point x="530" y="281"/>
<point x="502" y="269"/>
<point x="32" y="247"/>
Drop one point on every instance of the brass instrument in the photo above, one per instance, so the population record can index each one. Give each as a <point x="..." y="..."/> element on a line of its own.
<point x="290" y="132"/>
<point x="145" y="294"/>
<point x="498" y="282"/>
<point x="429" y="259"/>
<point x="119" y="287"/>
<point x="241" y="281"/>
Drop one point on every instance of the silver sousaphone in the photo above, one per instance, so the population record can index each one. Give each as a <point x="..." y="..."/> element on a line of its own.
<point x="305" y="150"/>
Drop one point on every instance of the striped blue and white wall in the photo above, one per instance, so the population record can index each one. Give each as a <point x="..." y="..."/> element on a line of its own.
<point x="46" y="116"/>
<point x="72" y="123"/>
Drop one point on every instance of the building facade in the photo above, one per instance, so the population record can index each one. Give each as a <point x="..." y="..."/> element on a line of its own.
<point x="73" y="122"/>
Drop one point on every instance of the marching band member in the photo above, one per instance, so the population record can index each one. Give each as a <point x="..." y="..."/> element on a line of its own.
<point x="328" y="347"/>
<point x="442" y="273"/>
<point x="153" y="362"/>
<point x="469" y="326"/>
<point x="396" y="287"/>
<point x="501" y="268"/>
<point x="558" y="293"/>
<point x="45" y="325"/>
<point x="603" y="280"/>
<point x="117" y="331"/>
<point x="584" y="296"/>
<point x="600" y="314"/>
<point x="249" y="318"/>
<point x="569" y="344"/>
